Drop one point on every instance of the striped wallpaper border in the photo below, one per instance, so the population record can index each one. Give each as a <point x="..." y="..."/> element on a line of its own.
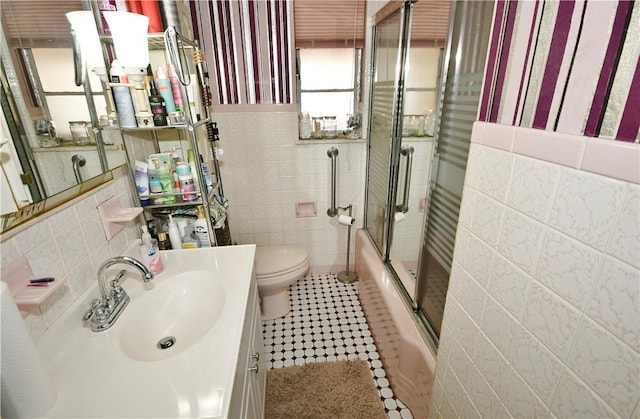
<point x="570" y="66"/>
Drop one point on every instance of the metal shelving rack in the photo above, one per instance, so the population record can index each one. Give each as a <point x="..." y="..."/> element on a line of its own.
<point x="202" y="130"/>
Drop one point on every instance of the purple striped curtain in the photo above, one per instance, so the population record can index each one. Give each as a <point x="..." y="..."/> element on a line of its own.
<point x="249" y="49"/>
<point x="568" y="66"/>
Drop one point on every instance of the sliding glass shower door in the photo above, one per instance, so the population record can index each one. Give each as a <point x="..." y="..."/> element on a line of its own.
<point x="385" y="129"/>
<point x="419" y="258"/>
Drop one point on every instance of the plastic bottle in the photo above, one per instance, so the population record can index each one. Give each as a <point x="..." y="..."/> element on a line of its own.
<point x="142" y="182"/>
<point x="163" y="241"/>
<point x="176" y="88"/>
<point x="176" y="186"/>
<point x="122" y="96"/>
<point x="201" y="228"/>
<point x="174" y="234"/>
<point x="164" y="88"/>
<point x="175" y="157"/>
<point x="194" y="170"/>
<point x="189" y="240"/>
<point x="152" y="169"/>
<point x="149" y="252"/>
<point x="166" y="183"/>
<point x="206" y="174"/>
<point x="186" y="181"/>
<point x="152" y="11"/>
<point x="158" y="107"/>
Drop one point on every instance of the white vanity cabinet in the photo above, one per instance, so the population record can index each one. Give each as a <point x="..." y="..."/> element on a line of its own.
<point x="248" y="394"/>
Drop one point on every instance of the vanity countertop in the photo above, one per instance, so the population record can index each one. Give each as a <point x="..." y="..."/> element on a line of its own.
<point x="94" y="376"/>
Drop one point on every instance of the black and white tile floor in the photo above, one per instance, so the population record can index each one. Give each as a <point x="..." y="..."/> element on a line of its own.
<point x="326" y="323"/>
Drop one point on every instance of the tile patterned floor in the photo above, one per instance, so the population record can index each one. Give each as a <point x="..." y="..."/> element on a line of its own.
<point x="326" y="323"/>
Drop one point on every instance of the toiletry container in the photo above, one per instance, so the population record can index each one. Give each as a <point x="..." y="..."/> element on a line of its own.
<point x="149" y="252"/>
<point x="164" y="88"/>
<point x="201" y="228"/>
<point x="174" y="234"/>
<point x="189" y="240"/>
<point x="163" y="241"/>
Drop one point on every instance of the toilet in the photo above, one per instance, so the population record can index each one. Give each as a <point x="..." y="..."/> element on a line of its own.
<point x="277" y="267"/>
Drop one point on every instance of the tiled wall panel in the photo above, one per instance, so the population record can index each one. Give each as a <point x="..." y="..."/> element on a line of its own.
<point x="69" y="244"/>
<point x="265" y="173"/>
<point x="543" y="311"/>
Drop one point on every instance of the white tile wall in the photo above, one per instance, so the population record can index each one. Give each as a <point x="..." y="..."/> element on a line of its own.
<point x="543" y="311"/>
<point x="69" y="244"/>
<point x="265" y="172"/>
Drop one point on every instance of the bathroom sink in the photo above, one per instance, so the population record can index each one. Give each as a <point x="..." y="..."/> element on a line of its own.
<point x="200" y="299"/>
<point x="172" y="316"/>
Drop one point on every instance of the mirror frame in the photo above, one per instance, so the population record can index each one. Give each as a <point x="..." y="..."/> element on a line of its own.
<point x="31" y="212"/>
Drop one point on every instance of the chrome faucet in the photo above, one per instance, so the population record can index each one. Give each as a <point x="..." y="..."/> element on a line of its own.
<point x="104" y="313"/>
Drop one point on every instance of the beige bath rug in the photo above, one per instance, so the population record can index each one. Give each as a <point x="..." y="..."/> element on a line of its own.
<point x="342" y="389"/>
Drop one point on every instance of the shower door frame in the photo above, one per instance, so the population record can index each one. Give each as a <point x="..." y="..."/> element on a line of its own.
<point x="411" y="297"/>
<point x="405" y="9"/>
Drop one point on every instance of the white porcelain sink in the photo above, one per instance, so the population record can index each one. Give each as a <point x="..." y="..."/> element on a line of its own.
<point x="172" y="316"/>
<point x="200" y="299"/>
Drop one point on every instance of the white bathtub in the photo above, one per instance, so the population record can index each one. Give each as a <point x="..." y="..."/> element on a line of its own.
<point x="408" y="360"/>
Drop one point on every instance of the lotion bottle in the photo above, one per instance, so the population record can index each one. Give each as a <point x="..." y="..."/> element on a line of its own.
<point x="201" y="228"/>
<point x="149" y="252"/>
<point x="174" y="234"/>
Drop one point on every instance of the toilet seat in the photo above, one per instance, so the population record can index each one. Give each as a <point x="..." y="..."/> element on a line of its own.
<point x="274" y="261"/>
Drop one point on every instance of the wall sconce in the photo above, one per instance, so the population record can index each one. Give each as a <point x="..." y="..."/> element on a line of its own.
<point x="129" y="33"/>
<point x="87" y="50"/>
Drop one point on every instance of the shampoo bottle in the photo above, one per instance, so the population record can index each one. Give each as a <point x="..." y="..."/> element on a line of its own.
<point x="149" y="252"/>
<point x="201" y="228"/>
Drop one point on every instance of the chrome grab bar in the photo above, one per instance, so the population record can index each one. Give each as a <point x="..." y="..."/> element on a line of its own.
<point x="406" y="151"/>
<point x="78" y="160"/>
<point x="333" y="153"/>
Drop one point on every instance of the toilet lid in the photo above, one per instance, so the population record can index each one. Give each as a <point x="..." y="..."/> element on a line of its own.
<point x="276" y="259"/>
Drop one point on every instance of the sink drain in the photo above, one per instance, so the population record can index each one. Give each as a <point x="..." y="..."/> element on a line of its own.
<point x="166" y="342"/>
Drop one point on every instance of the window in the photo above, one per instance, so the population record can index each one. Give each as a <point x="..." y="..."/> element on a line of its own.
<point x="329" y="37"/>
<point x="329" y="80"/>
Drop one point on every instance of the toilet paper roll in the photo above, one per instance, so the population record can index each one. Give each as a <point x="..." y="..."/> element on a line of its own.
<point x="345" y="220"/>
<point x="27" y="390"/>
<point x="398" y="217"/>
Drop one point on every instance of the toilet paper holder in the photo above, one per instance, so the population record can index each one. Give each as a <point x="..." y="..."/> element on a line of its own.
<point x="346" y="276"/>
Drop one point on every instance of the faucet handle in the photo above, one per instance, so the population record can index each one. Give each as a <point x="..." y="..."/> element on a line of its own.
<point x="116" y="290"/>
<point x="118" y="277"/>
<point x="89" y="313"/>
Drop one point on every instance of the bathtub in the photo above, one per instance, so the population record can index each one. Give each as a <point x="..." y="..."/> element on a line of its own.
<point x="407" y="359"/>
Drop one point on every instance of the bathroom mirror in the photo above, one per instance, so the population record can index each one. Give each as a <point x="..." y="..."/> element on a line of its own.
<point x="48" y="145"/>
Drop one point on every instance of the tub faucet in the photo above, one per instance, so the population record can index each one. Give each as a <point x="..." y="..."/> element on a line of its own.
<point x="104" y="313"/>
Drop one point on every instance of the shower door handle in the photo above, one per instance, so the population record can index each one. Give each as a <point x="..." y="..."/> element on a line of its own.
<point x="406" y="151"/>
<point x="435" y="165"/>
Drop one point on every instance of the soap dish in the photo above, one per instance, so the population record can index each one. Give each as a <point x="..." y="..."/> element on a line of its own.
<point x="113" y="216"/>
<point x="17" y="275"/>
